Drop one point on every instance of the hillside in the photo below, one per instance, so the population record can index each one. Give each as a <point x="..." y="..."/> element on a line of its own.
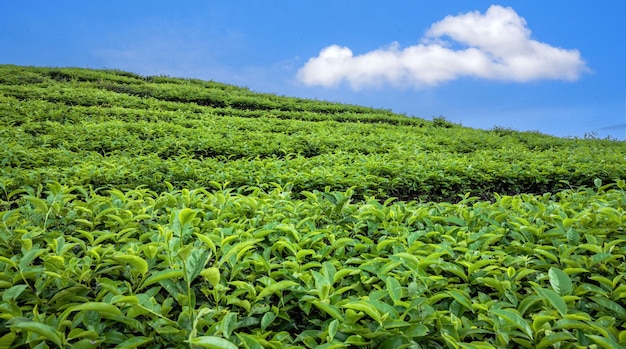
<point x="162" y="212"/>
<point x="116" y="129"/>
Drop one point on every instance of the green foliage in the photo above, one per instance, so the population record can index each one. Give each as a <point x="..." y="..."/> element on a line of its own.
<point x="172" y="213"/>
<point x="117" y="130"/>
<point x="441" y="121"/>
<point x="221" y="269"/>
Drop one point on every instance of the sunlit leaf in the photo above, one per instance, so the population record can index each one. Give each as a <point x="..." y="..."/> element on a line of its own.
<point x="561" y="283"/>
<point x="46" y="331"/>
<point x="29" y="257"/>
<point x="267" y="320"/>
<point x="238" y="248"/>
<point x="133" y="342"/>
<point x="553" y="338"/>
<point x="161" y="276"/>
<point x="212" y="275"/>
<point x="604" y="342"/>
<point x="553" y="298"/>
<point x="212" y="342"/>
<point x="394" y="289"/>
<point x="366" y="308"/>
<point x="249" y="341"/>
<point x="330" y="310"/>
<point x="186" y="215"/>
<point x="275" y="288"/>
<point x="515" y="319"/>
<point x="7" y="339"/>
<point x="136" y="262"/>
<point x="13" y="292"/>
<point x="195" y="262"/>
<point x="616" y="308"/>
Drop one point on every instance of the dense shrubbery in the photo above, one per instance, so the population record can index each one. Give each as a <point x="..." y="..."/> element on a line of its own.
<point x="159" y="212"/>
<point x="67" y="122"/>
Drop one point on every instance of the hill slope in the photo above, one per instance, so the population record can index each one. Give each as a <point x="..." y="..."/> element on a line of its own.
<point x="116" y="129"/>
<point x="168" y="213"/>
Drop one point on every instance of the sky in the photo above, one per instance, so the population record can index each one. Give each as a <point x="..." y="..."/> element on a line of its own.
<point x="550" y="66"/>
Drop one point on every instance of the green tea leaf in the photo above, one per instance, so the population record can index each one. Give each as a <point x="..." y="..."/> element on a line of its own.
<point x="476" y="345"/>
<point x="212" y="342"/>
<point x="415" y="331"/>
<point x="212" y="275"/>
<point x="333" y="345"/>
<point x="454" y="269"/>
<point x="207" y="240"/>
<point x="611" y="305"/>
<point x="332" y="329"/>
<point x="329" y="270"/>
<point x="451" y="341"/>
<point x="8" y="261"/>
<point x="540" y="320"/>
<point x="133" y="342"/>
<point x="186" y="215"/>
<point x="394" y="289"/>
<point x="560" y="282"/>
<point x="13" y="292"/>
<point x="160" y="276"/>
<point x="366" y="308"/>
<point x="44" y="330"/>
<point x="329" y="309"/>
<point x="573" y="237"/>
<point x="478" y="265"/>
<point x="236" y="249"/>
<point x="515" y="319"/>
<point x="461" y="298"/>
<point x="356" y="340"/>
<point x="394" y="342"/>
<point x="195" y="262"/>
<point x="557" y="302"/>
<point x="267" y="320"/>
<point x="7" y="340"/>
<point x="40" y="205"/>
<point x="275" y="288"/>
<point x="411" y="259"/>
<point x="604" y="342"/>
<point x="341" y="274"/>
<point x="384" y="308"/>
<point x="555" y="337"/>
<point x="526" y="303"/>
<point x="568" y="324"/>
<point x="138" y="263"/>
<point x="600" y="257"/>
<point x="85" y="344"/>
<point x="622" y="336"/>
<point x="244" y="286"/>
<point x="229" y="323"/>
<point x="249" y="341"/>
<point x="100" y="307"/>
<point x="29" y="256"/>
<point x="607" y="283"/>
<point x="303" y="253"/>
<point x="125" y="299"/>
<point x="391" y="324"/>
<point x="597" y="182"/>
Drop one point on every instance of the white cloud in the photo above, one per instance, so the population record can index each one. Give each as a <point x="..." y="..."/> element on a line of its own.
<point x="495" y="45"/>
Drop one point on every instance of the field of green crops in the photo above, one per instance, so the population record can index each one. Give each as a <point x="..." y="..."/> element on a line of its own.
<point x="155" y="212"/>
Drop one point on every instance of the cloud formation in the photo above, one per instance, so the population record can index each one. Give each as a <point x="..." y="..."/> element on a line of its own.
<point x="495" y="45"/>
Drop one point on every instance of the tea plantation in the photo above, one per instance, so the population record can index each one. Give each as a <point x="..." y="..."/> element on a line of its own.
<point x="156" y="212"/>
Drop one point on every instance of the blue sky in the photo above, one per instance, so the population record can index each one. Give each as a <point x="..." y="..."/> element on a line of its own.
<point x="553" y="66"/>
